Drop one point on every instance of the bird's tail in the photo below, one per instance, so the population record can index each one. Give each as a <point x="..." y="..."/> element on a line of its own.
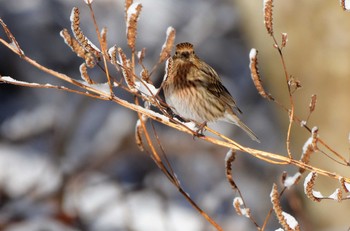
<point x="248" y="131"/>
<point x="232" y="118"/>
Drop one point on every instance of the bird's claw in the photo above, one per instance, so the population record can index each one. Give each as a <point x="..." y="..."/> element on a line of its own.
<point x="200" y="131"/>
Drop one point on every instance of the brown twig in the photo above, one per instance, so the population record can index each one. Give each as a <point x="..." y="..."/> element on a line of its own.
<point x="266" y="156"/>
<point x="173" y="179"/>
<point x="230" y="157"/>
<point x="103" y="44"/>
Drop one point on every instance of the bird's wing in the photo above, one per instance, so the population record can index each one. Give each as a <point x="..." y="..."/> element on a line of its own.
<point x="214" y="86"/>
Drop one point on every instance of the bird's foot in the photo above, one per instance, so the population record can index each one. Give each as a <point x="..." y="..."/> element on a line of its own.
<point x="200" y="130"/>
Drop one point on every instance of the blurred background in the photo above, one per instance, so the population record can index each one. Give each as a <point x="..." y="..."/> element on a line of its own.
<point x="70" y="163"/>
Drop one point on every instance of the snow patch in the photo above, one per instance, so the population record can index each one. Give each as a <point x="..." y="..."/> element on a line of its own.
<point x="253" y="53"/>
<point x="290" y="180"/>
<point x="292" y="223"/>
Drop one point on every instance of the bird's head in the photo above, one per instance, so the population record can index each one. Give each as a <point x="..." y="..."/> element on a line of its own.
<point x="184" y="51"/>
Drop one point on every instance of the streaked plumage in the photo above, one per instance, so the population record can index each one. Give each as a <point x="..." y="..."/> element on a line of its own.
<point x="194" y="91"/>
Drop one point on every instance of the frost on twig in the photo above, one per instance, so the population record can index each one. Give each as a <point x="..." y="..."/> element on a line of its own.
<point x="9" y="80"/>
<point x="254" y="71"/>
<point x="12" y="38"/>
<point x="287" y="221"/>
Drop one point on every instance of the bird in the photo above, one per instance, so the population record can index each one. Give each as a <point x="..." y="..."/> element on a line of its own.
<point x="194" y="91"/>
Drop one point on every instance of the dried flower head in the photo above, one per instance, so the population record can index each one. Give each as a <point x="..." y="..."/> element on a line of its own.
<point x="294" y="84"/>
<point x="133" y="14"/>
<point x="126" y="70"/>
<point x="138" y="135"/>
<point x="312" y="104"/>
<point x="268" y="5"/>
<point x="168" y="45"/>
<point x="309" y="183"/>
<point x="84" y="75"/>
<point x="255" y="75"/>
<point x="78" y="49"/>
<point x="309" y="147"/>
<point x="230" y="157"/>
<point x="287" y="221"/>
<point x="284" y="39"/>
<point x="79" y="35"/>
<point x="240" y="208"/>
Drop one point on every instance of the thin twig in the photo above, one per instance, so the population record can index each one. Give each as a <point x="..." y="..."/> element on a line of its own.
<point x="173" y="178"/>
<point x="266" y="156"/>
<point x="103" y="46"/>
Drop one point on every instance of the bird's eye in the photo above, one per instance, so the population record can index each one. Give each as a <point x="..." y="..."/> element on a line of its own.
<point x="176" y="53"/>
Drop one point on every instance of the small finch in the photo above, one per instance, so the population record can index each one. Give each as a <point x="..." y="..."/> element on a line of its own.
<point x="194" y="91"/>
